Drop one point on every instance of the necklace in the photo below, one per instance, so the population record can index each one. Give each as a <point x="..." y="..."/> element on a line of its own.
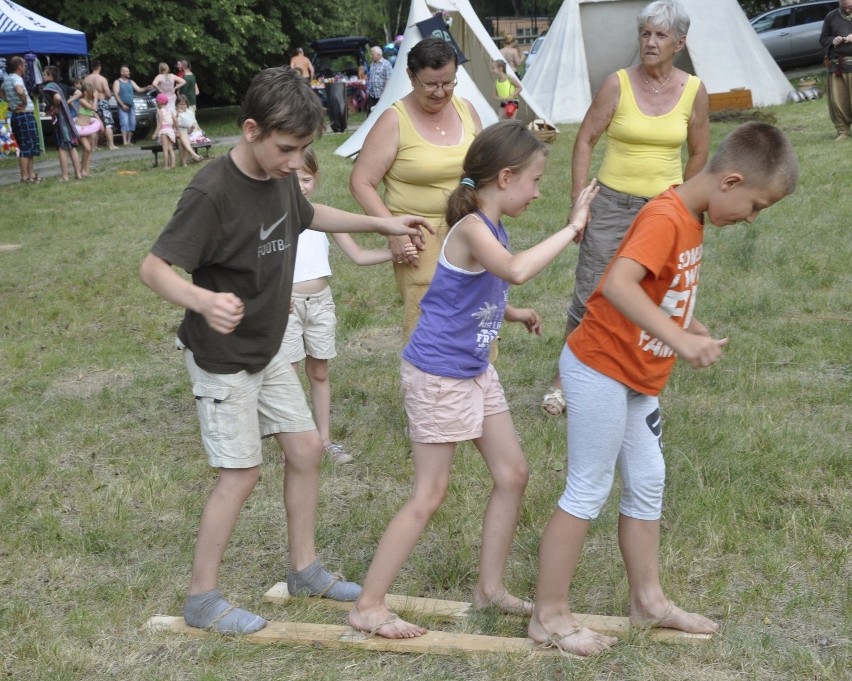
<point x="654" y="90"/>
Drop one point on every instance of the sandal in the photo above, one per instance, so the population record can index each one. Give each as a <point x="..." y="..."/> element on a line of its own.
<point x="553" y="403"/>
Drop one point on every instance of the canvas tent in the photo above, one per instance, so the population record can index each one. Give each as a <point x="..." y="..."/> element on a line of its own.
<point x="24" y="31"/>
<point x="476" y="82"/>
<point x="589" y="39"/>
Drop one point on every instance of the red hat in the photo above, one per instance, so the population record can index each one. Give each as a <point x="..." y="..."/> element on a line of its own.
<point x="162" y="98"/>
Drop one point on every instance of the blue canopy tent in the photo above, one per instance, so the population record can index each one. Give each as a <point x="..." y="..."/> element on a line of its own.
<point x="24" y="31"/>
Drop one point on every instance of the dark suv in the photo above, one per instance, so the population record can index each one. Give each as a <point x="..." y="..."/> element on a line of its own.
<point x="341" y="55"/>
<point x="791" y="34"/>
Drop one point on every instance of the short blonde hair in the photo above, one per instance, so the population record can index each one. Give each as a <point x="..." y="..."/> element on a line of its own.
<point x="762" y="154"/>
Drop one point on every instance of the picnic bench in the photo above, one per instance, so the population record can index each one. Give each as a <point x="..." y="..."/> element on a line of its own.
<point x="158" y="148"/>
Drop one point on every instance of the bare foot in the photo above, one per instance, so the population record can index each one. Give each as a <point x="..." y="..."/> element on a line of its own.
<point x="569" y="636"/>
<point x="504" y="602"/>
<point x="382" y="622"/>
<point x="674" y="617"/>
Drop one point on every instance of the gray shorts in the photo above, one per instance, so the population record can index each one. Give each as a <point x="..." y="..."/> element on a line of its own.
<point x="237" y="410"/>
<point x="609" y="426"/>
<point x="612" y="213"/>
<point x="311" y="327"/>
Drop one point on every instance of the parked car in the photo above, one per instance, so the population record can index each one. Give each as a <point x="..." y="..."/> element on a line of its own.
<point x="341" y="55"/>
<point x="791" y="34"/>
<point x="532" y="55"/>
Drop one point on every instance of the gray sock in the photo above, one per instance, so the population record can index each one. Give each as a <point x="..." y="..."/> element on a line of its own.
<point x="315" y="580"/>
<point x="212" y="612"/>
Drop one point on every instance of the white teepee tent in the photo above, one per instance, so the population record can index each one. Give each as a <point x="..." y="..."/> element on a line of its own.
<point x="589" y="39"/>
<point x="476" y="82"/>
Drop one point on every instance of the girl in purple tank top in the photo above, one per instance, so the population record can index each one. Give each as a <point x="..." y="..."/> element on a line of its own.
<point x="452" y="392"/>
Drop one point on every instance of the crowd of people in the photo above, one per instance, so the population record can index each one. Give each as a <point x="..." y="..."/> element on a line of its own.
<point x="81" y="115"/>
<point x="439" y="186"/>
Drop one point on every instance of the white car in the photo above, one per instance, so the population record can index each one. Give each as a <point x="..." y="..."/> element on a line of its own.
<point x="533" y="53"/>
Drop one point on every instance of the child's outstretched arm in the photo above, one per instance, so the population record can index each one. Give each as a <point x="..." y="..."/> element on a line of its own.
<point x="518" y="268"/>
<point x="222" y="311"/>
<point x="367" y="256"/>
<point x="328" y="219"/>
<point x="621" y="288"/>
<point x="527" y="316"/>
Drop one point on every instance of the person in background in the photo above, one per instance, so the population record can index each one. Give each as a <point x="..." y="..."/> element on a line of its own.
<point x="23" y="119"/>
<point x="377" y="76"/>
<point x="186" y="126"/>
<point x="301" y="63"/>
<point x="836" y="39"/>
<point x="123" y="88"/>
<point x="511" y="53"/>
<point x="646" y="112"/>
<point x="88" y="125"/>
<point x="507" y="87"/>
<point x="168" y="84"/>
<point x="190" y="88"/>
<point x="165" y="130"/>
<point x="64" y="131"/>
<point x="102" y="95"/>
<point x="416" y="149"/>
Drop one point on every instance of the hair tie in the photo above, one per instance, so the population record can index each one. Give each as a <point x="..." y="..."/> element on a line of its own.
<point x="467" y="182"/>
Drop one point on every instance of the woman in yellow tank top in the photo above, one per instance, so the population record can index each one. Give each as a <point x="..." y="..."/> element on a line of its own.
<point x="647" y="112"/>
<point x="416" y="150"/>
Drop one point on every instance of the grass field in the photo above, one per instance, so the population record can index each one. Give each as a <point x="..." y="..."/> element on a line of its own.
<point x="102" y="474"/>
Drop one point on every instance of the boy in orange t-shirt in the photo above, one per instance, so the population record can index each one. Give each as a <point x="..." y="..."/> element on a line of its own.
<point x="616" y="363"/>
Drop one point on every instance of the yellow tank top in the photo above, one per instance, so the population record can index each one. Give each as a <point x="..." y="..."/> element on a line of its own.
<point x="642" y="155"/>
<point x="504" y="88"/>
<point x="423" y="174"/>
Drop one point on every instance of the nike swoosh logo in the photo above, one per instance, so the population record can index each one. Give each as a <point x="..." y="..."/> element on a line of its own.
<point x="264" y="233"/>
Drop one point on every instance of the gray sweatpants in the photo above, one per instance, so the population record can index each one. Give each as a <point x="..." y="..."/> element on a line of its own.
<point x="610" y="425"/>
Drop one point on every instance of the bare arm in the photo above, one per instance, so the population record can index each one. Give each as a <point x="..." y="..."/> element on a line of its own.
<point x="595" y="122"/>
<point x="473" y="244"/>
<point x="179" y="82"/>
<point x="328" y="219"/>
<point x="222" y="311"/>
<point x="622" y="288"/>
<point x="375" y="159"/>
<point x="358" y="255"/>
<point x="698" y="134"/>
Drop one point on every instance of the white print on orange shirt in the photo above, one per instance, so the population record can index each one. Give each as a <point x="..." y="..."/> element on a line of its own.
<point x="677" y="303"/>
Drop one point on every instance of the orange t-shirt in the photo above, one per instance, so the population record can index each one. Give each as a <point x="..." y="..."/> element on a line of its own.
<point x="666" y="239"/>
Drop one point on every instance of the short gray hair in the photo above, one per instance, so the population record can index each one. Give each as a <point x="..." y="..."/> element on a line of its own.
<point x="375" y="49"/>
<point x="666" y="14"/>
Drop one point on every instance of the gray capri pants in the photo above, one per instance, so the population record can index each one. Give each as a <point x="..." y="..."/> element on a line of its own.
<point x="611" y="214"/>
<point x="610" y="425"/>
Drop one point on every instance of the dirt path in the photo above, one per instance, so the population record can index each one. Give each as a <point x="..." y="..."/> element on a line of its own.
<point x="103" y="158"/>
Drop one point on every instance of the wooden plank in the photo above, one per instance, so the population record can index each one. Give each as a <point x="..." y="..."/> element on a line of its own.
<point x="336" y="636"/>
<point x="430" y="607"/>
<point x="734" y="99"/>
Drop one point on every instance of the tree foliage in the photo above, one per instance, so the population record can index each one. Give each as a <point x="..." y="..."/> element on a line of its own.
<point x="228" y="41"/>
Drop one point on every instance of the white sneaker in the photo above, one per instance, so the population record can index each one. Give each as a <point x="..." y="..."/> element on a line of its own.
<point x="337" y="452"/>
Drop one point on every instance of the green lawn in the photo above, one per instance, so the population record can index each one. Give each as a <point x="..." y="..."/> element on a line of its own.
<point x="103" y="475"/>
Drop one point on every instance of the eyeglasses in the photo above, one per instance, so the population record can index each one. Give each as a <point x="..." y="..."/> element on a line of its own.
<point x="433" y="87"/>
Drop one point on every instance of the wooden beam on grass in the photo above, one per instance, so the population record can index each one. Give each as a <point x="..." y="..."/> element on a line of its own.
<point x="455" y="610"/>
<point x="336" y="636"/>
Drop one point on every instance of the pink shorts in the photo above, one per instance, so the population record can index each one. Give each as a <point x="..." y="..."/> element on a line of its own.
<point x="442" y="409"/>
